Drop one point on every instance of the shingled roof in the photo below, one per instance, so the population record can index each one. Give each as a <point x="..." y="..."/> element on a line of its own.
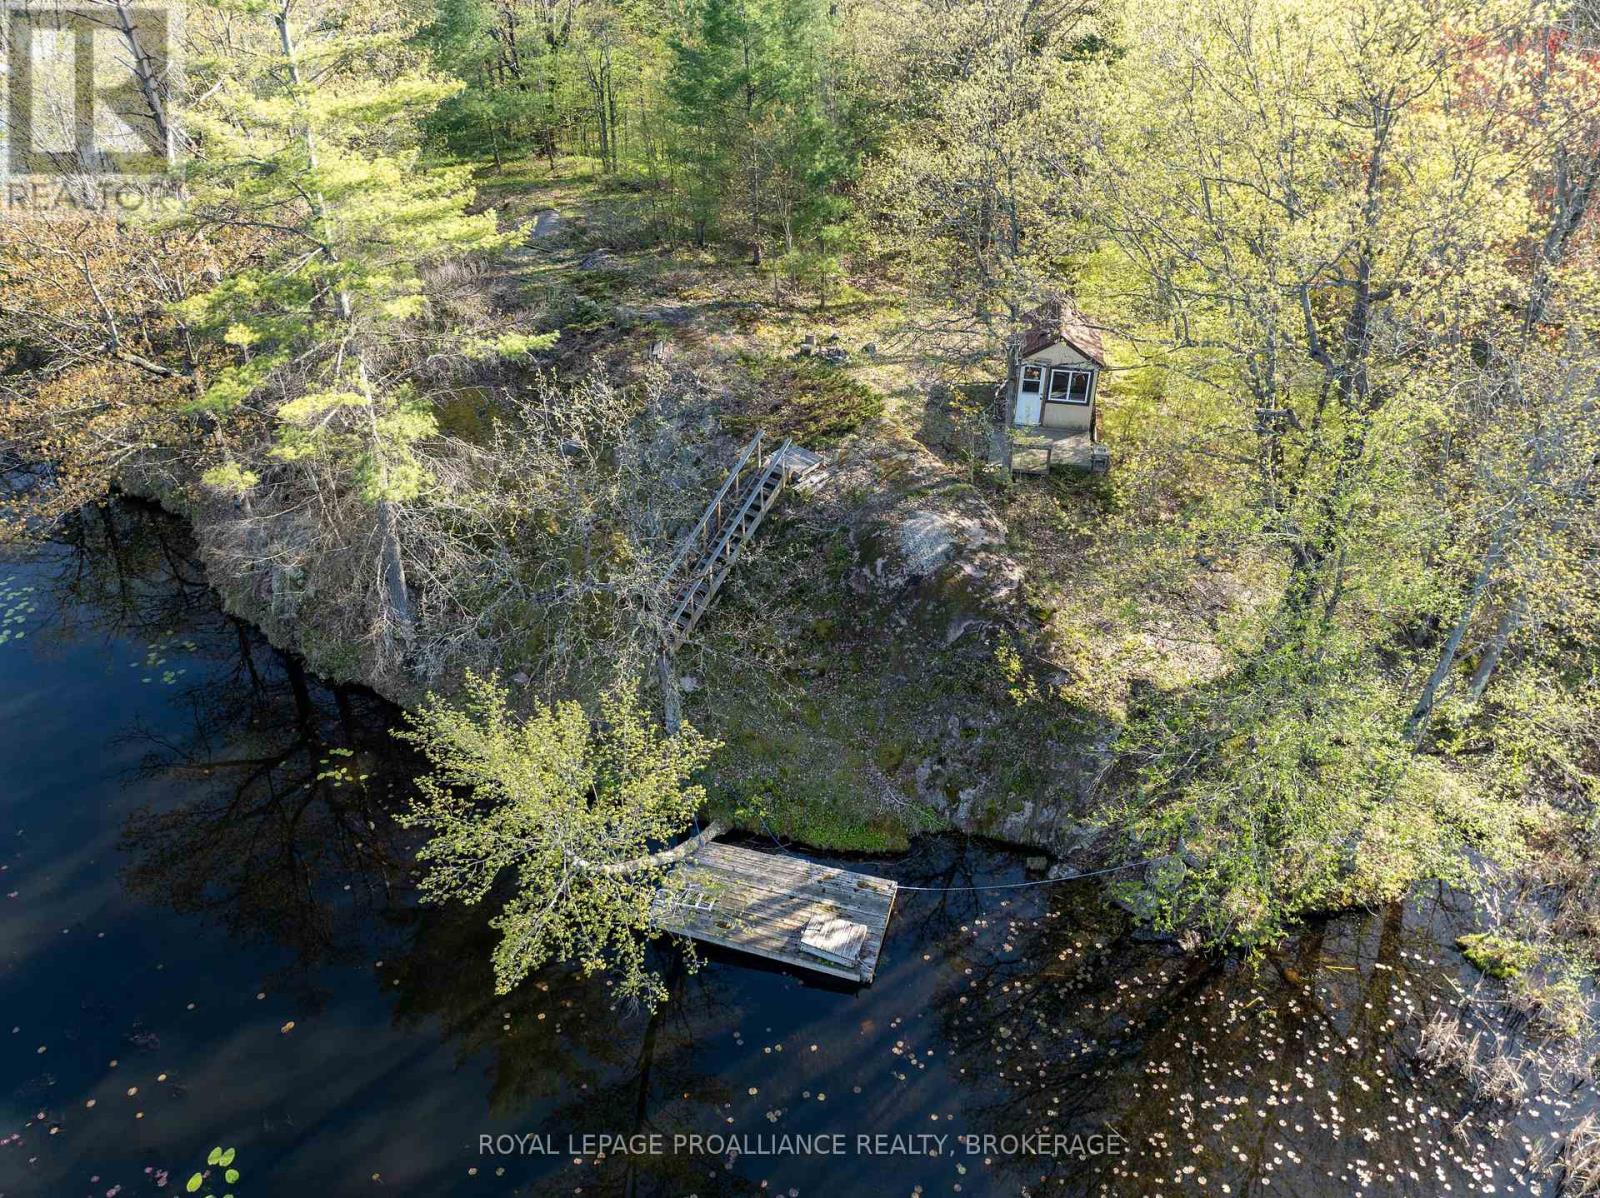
<point x="1054" y="323"/>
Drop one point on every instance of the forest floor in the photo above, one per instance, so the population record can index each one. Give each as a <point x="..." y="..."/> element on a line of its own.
<point x="915" y="642"/>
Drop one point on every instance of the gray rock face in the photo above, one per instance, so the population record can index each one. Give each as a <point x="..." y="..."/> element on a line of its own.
<point x="547" y="224"/>
<point x="930" y="538"/>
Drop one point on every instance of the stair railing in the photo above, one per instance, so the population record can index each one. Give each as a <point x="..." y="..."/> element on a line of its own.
<point x="711" y="518"/>
<point x="710" y="561"/>
<point x="732" y="526"/>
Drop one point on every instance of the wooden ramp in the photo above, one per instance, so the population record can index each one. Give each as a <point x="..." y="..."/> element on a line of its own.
<point x="783" y="908"/>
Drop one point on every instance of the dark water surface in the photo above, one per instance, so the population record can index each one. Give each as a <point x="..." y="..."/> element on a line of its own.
<point x="207" y="937"/>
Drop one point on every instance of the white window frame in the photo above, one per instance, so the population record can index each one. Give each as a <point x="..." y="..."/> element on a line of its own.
<point x="1038" y="371"/>
<point x="1086" y="401"/>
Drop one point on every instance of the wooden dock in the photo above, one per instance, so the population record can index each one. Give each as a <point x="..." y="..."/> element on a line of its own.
<point x="798" y="912"/>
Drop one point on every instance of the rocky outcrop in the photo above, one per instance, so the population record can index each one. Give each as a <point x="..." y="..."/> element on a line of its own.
<point x="926" y="594"/>
<point x="904" y="648"/>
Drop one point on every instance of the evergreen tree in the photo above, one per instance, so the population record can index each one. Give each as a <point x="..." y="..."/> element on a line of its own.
<point x="745" y="82"/>
<point x="310" y="132"/>
<point x="707" y="78"/>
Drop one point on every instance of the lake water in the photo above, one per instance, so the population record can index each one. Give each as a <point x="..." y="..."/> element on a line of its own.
<point x="207" y="937"/>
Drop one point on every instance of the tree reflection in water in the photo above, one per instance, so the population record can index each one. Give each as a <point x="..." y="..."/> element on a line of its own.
<point x="1295" y="1068"/>
<point x="285" y="832"/>
<point x="120" y="569"/>
<point x="285" y="835"/>
<point x="289" y="836"/>
<point x="564" y="1058"/>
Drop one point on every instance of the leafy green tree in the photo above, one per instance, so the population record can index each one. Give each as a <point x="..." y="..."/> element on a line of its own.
<point x="1308" y="223"/>
<point x="1286" y="787"/>
<point x="976" y="191"/>
<point x="1301" y="239"/>
<point x="481" y="120"/>
<point x="567" y="809"/>
<point x="523" y="91"/>
<point x="708" y="80"/>
<point x="1517" y="473"/>
<point x="746" y="81"/>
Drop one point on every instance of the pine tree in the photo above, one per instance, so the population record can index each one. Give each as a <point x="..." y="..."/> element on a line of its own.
<point x="706" y="78"/>
<point x="745" y="82"/>
<point x="310" y="131"/>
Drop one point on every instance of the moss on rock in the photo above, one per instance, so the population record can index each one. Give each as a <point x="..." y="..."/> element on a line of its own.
<point x="1498" y="954"/>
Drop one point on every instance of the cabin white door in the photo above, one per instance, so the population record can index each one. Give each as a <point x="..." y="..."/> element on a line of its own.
<point x="1030" y="395"/>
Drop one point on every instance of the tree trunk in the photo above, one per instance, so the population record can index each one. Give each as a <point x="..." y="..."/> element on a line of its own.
<point x="1417" y="722"/>
<point x="597" y="91"/>
<point x="612" y="116"/>
<point x="392" y="568"/>
<point x="391" y="563"/>
<point x="671" y="699"/>
<point x="755" y="162"/>
<point x="145" y="71"/>
<point x="677" y="852"/>
<point x="1504" y="630"/>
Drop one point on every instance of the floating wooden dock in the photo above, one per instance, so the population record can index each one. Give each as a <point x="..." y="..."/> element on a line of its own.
<point x="783" y="908"/>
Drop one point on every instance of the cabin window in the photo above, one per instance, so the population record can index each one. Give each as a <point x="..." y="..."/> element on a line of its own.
<point x="1032" y="380"/>
<point x="1071" y="386"/>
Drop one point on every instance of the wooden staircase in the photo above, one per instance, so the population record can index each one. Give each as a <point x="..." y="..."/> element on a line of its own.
<point x="708" y="553"/>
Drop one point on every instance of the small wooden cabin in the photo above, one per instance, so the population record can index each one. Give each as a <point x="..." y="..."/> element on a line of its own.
<point x="1057" y="379"/>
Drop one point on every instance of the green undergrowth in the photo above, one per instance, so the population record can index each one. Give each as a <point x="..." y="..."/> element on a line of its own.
<point x="812" y="401"/>
<point x="808" y="761"/>
<point x="1544" y="981"/>
<point x="583" y="301"/>
<point x="852" y="719"/>
<point x="467" y="413"/>
<point x="812" y="743"/>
